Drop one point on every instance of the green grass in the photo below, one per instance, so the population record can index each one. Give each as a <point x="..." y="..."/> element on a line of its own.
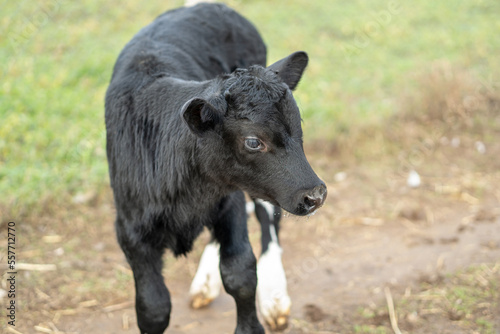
<point x="470" y="289"/>
<point x="57" y="58"/>
<point x="365" y="329"/>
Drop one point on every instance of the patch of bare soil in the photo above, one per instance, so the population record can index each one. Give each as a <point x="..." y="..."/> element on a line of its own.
<point x="375" y="232"/>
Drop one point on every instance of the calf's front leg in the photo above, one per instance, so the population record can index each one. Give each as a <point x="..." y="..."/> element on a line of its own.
<point x="152" y="299"/>
<point x="237" y="262"/>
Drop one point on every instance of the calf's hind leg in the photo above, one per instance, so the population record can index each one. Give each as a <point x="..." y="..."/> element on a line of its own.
<point x="272" y="294"/>
<point x="207" y="283"/>
<point x="152" y="299"/>
<point x="237" y="262"/>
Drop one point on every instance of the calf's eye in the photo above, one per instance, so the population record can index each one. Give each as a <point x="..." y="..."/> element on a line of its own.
<point x="254" y="144"/>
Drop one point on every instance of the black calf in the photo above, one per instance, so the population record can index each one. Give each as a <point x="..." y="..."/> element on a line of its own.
<point x="184" y="140"/>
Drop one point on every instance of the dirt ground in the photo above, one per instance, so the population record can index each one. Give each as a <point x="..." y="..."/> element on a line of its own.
<point x="375" y="237"/>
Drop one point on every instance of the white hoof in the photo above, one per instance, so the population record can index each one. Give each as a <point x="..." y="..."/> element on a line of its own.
<point x="272" y="295"/>
<point x="207" y="282"/>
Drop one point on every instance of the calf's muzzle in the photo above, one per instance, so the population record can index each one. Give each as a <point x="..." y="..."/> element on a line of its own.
<point x="311" y="200"/>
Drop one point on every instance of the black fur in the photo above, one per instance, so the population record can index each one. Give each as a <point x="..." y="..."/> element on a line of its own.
<point x="185" y="93"/>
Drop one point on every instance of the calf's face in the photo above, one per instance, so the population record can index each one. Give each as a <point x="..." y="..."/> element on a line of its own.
<point x="250" y="131"/>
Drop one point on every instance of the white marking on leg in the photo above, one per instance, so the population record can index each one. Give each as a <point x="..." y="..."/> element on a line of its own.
<point x="274" y="237"/>
<point x="207" y="282"/>
<point x="250" y="207"/>
<point x="272" y="295"/>
<point x="269" y="208"/>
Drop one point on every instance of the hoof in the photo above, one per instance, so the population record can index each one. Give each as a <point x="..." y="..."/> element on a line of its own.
<point x="278" y="322"/>
<point x="200" y="301"/>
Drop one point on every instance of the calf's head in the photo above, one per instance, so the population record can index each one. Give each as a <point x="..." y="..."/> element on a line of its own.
<point x="250" y="137"/>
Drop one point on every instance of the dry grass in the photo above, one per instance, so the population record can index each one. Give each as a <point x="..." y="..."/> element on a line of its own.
<point x="442" y="103"/>
<point x="468" y="298"/>
<point x="451" y="95"/>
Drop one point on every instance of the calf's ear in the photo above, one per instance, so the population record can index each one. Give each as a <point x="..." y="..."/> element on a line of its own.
<point x="290" y="69"/>
<point x="200" y="116"/>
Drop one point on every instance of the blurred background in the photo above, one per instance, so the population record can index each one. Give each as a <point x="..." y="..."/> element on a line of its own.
<point x="401" y="116"/>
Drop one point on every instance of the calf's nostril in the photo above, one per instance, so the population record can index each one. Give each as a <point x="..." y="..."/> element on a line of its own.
<point x="309" y="201"/>
<point x="315" y="198"/>
<point x="312" y="202"/>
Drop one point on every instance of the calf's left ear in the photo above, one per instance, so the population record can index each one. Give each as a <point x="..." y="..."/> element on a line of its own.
<point x="291" y="68"/>
<point x="200" y="116"/>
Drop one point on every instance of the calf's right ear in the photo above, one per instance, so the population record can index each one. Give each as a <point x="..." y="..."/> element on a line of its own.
<point x="200" y="116"/>
<point x="291" y="68"/>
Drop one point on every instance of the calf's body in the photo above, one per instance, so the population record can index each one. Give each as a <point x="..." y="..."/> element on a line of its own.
<point x="193" y="118"/>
